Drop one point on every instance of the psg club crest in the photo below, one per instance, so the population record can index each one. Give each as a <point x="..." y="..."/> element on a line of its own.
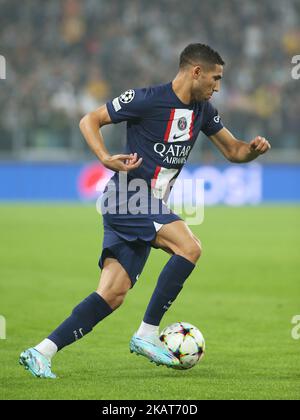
<point x="127" y="96"/>
<point x="182" y="123"/>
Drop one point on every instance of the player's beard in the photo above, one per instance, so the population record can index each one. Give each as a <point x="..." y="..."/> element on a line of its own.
<point x="202" y="97"/>
<point x="198" y="96"/>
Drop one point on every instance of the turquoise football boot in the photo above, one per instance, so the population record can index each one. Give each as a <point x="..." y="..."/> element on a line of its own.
<point x="37" y="364"/>
<point x="154" y="350"/>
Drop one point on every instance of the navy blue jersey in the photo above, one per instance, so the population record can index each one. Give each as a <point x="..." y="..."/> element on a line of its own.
<point x="162" y="130"/>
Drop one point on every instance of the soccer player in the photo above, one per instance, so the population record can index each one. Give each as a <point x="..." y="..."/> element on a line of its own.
<point x="163" y="123"/>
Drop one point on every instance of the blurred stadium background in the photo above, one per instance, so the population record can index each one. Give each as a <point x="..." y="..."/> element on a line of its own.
<point x="65" y="58"/>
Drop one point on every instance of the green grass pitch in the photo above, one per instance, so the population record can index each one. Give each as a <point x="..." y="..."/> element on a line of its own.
<point x="242" y="296"/>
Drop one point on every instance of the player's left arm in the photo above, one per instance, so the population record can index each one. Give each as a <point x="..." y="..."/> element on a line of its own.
<point x="238" y="151"/>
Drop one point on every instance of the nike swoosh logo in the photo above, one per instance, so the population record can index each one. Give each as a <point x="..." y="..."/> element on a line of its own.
<point x="175" y="137"/>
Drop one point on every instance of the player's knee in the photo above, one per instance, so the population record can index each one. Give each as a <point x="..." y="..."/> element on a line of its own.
<point x="192" y="250"/>
<point x="114" y="297"/>
<point x="118" y="299"/>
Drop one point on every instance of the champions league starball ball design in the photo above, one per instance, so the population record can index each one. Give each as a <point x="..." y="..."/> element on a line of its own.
<point x="186" y="342"/>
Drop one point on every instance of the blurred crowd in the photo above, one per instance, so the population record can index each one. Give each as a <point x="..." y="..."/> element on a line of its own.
<point x="67" y="57"/>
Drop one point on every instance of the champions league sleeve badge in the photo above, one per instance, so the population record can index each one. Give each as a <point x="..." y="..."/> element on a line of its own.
<point x="127" y="96"/>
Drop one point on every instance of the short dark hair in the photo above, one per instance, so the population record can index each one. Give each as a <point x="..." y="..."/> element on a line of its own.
<point x="200" y="53"/>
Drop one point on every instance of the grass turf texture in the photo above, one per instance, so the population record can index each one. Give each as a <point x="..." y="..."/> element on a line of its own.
<point x="242" y="296"/>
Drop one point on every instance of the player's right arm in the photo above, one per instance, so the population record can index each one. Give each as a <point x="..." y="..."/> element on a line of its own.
<point x="90" y="126"/>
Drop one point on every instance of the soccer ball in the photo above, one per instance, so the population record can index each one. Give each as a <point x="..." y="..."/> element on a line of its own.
<point x="186" y="342"/>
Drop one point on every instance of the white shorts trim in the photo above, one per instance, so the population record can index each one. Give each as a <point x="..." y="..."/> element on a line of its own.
<point x="157" y="226"/>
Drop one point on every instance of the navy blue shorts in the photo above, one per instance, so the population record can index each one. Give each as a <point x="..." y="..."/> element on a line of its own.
<point x="128" y="238"/>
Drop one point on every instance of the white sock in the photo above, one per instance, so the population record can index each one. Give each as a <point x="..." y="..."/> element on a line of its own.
<point x="47" y="348"/>
<point x="147" y="330"/>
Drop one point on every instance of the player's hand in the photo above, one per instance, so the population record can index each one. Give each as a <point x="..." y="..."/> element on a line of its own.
<point x="259" y="145"/>
<point x="122" y="163"/>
